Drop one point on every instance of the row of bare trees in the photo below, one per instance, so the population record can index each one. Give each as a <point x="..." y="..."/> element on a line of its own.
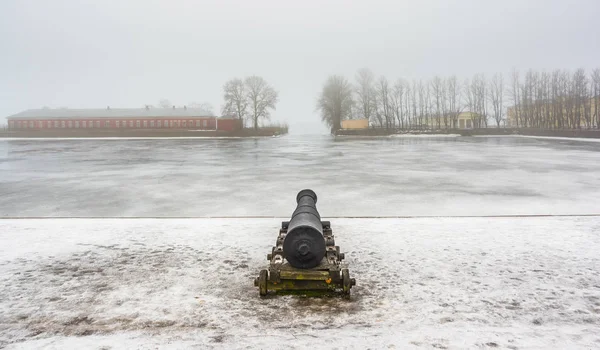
<point x="555" y="100"/>
<point x="436" y="103"/>
<point x="541" y="100"/>
<point x="251" y="98"/>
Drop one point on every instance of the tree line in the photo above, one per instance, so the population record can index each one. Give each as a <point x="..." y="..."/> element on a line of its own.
<point x="553" y="100"/>
<point x="251" y="98"/>
<point x="556" y="100"/>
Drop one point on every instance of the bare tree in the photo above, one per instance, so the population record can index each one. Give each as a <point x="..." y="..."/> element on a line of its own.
<point x="415" y="88"/>
<point x="164" y="103"/>
<point x="397" y="101"/>
<point x="207" y="107"/>
<point x="261" y="99"/>
<point x="556" y="99"/>
<point x="204" y="106"/>
<point x="528" y="91"/>
<point x="236" y="101"/>
<point x="454" y="100"/>
<point x="407" y="100"/>
<point x="514" y="90"/>
<point x="476" y="96"/>
<point x="445" y="101"/>
<point x="438" y="88"/>
<point x="581" y="100"/>
<point x="355" y="111"/>
<point x="568" y="91"/>
<point x="481" y="97"/>
<point x="383" y="110"/>
<point x="470" y="96"/>
<point x="335" y="101"/>
<point x="546" y="102"/>
<point x="422" y="104"/>
<point x="596" y="96"/>
<point x="365" y="92"/>
<point x="428" y="107"/>
<point x="496" y="95"/>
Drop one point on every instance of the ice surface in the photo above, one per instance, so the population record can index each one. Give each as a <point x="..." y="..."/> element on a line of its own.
<point x="248" y="177"/>
<point x="513" y="283"/>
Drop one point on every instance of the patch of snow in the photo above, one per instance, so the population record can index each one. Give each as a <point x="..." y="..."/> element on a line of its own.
<point x="184" y="283"/>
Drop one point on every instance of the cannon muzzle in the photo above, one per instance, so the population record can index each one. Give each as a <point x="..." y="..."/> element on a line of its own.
<point x="304" y="244"/>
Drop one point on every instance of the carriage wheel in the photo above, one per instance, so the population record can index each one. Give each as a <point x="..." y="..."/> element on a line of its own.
<point x="346" y="281"/>
<point x="262" y="283"/>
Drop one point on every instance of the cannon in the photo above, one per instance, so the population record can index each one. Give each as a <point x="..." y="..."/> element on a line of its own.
<point x="305" y="259"/>
<point x="304" y="244"/>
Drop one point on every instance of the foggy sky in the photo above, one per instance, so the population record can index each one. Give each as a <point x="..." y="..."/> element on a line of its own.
<point x="91" y="54"/>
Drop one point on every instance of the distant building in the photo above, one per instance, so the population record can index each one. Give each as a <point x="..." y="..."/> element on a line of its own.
<point x="120" y="118"/>
<point x="355" y="124"/>
<point x="464" y="120"/>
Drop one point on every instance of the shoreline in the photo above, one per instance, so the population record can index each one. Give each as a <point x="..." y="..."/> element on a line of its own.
<point x="455" y="136"/>
<point x="125" y="138"/>
<point x="541" y="133"/>
<point x="136" y="134"/>
<point x="581" y="139"/>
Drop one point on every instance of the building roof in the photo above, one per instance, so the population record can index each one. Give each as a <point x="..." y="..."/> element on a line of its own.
<point x="66" y="113"/>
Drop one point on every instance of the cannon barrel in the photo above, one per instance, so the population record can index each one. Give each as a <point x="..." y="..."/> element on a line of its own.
<point x="304" y="244"/>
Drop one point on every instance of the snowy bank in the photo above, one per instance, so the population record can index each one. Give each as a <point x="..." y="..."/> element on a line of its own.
<point x="424" y="135"/>
<point x="583" y="139"/>
<point x="187" y="283"/>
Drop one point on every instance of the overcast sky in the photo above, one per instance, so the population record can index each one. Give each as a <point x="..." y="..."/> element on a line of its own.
<point x="127" y="53"/>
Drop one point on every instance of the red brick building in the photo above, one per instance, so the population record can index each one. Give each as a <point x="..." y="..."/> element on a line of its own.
<point x="121" y="118"/>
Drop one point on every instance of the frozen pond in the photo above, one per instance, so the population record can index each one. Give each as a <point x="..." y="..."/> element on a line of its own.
<point x="446" y="283"/>
<point x="260" y="177"/>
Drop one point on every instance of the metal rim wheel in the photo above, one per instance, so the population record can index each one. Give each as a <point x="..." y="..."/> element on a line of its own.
<point x="346" y="282"/>
<point x="262" y="282"/>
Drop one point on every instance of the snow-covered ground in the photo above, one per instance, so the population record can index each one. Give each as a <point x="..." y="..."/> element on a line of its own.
<point x="514" y="283"/>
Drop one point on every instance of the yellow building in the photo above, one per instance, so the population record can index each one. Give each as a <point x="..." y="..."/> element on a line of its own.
<point x="464" y="120"/>
<point x="355" y="124"/>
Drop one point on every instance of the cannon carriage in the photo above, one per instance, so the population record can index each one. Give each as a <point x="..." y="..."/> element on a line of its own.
<point x="305" y="258"/>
